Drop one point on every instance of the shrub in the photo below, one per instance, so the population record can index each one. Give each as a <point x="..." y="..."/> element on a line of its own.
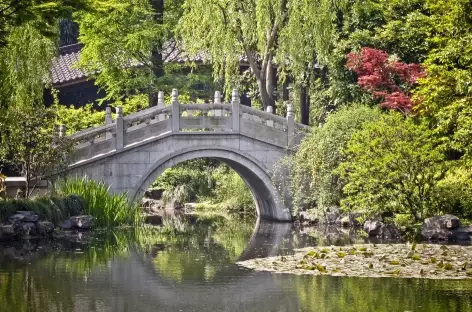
<point x="231" y="192"/>
<point x="320" y="153"/>
<point x="108" y="209"/>
<point x="54" y="209"/>
<point x="184" y="183"/>
<point x="455" y="191"/>
<point x="393" y="164"/>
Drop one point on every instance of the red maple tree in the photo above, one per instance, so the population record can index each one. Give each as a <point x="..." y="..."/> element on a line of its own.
<point x="389" y="81"/>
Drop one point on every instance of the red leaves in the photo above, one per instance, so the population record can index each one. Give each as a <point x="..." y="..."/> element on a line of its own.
<point x="387" y="80"/>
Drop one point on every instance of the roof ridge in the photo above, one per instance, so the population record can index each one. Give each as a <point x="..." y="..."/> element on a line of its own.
<point x="71" y="48"/>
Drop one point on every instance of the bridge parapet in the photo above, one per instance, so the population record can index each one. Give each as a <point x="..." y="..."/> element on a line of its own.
<point x="177" y="118"/>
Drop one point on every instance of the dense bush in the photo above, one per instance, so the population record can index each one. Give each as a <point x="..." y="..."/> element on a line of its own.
<point x="54" y="209"/>
<point x="184" y="183"/>
<point x="231" y="192"/>
<point x="108" y="209"/>
<point x="393" y="164"/>
<point x="209" y="182"/>
<point x="455" y="191"/>
<point x="313" y="179"/>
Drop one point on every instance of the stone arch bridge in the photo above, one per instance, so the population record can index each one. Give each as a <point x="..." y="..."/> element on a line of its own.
<point x="129" y="153"/>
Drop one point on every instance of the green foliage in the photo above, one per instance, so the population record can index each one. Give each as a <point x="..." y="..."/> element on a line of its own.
<point x="314" y="181"/>
<point x="77" y="119"/>
<point x="213" y="185"/>
<point x="53" y="209"/>
<point x="182" y="184"/>
<point x="24" y="67"/>
<point x="257" y="29"/>
<point x="456" y="191"/>
<point x="445" y="93"/>
<point x="41" y="14"/>
<point x="393" y="164"/>
<point x="31" y="144"/>
<point x="125" y="45"/>
<point x="231" y="193"/>
<point x="108" y="209"/>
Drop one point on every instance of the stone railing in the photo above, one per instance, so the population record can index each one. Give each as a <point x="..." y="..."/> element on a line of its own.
<point x="121" y="132"/>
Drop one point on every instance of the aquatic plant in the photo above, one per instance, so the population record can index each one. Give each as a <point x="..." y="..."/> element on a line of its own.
<point x="108" y="209"/>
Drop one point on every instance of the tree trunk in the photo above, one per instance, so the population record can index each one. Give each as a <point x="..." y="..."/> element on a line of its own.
<point x="271" y="85"/>
<point x="157" y="61"/>
<point x="304" y="105"/>
<point x="265" y="97"/>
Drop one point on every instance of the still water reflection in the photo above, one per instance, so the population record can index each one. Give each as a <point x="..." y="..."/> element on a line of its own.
<point x="148" y="271"/>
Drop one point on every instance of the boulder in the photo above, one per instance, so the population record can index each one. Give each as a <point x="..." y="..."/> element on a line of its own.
<point x="306" y="217"/>
<point x="344" y="221"/>
<point x="372" y="227"/>
<point x="349" y="220"/>
<point x="84" y="222"/>
<point x="440" y="227"/>
<point x="153" y="193"/>
<point x="8" y="232"/>
<point x="153" y="219"/>
<point x="332" y="214"/>
<point x="376" y="228"/>
<point x="23" y="216"/>
<point x="152" y="205"/>
<point x="45" y="228"/>
<point x="389" y="231"/>
<point x="29" y="228"/>
<point x="66" y="225"/>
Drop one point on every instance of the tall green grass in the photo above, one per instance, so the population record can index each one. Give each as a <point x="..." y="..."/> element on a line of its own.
<point x="108" y="209"/>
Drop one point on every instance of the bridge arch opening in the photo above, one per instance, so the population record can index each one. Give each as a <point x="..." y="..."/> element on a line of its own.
<point x="266" y="196"/>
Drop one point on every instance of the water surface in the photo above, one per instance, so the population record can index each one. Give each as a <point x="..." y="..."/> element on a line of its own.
<point x="125" y="271"/>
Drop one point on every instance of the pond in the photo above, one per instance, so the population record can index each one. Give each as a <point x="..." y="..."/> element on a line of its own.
<point x="147" y="270"/>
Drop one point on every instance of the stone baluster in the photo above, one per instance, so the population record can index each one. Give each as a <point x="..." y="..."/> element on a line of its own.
<point x="62" y="131"/>
<point x="119" y="128"/>
<point x="160" y="104"/>
<point x="175" y="111"/>
<point x="217" y="112"/>
<point x="290" y="125"/>
<point x="108" y="121"/>
<point x="235" y="102"/>
<point x="108" y="118"/>
<point x="270" y="122"/>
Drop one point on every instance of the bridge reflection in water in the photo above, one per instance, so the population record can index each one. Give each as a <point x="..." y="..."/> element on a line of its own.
<point x="91" y="278"/>
<point x="136" y="282"/>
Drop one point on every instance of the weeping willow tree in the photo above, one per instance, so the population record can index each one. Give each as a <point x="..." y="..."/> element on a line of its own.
<point x="24" y="67"/>
<point x="306" y="44"/>
<point x="131" y="47"/>
<point x="287" y="33"/>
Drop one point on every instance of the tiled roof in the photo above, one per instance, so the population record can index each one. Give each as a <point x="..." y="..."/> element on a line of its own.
<point x="63" y="70"/>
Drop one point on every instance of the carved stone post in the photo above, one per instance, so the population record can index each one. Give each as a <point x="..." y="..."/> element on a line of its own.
<point x="119" y="128"/>
<point x="290" y="125"/>
<point x="108" y="121"/>
<point x="270" y="122"/>
<point x="160" y="104"/>
<point x="217" y="112"/>
<point x="62" y="131"/>
<point x="235" y="102"/>
<point x="108" y="118"/>
<point x="175" y="111"/>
